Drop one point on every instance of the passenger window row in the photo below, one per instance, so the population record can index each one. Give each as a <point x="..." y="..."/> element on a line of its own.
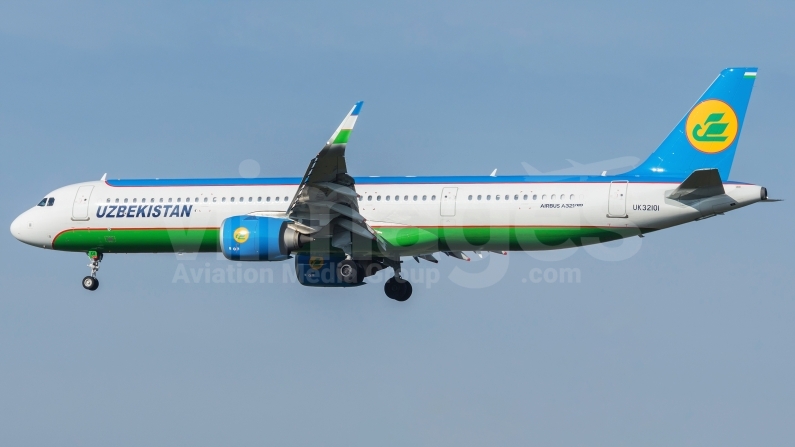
<point x="396" y="198"/>
<point x="188" y="200"/>
<point x="524" y="197"/>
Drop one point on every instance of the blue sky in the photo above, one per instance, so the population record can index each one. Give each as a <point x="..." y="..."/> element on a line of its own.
<point x="686" y="341"/>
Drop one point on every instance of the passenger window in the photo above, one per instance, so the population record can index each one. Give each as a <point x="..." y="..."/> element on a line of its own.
<point x="259" y="199"/>
<point x="415" y="198"/>
<point x="241" y="199"/>
<point x="125" y="200"/>
<point x="268" y="199"/>
<point x="369" y="198"/>
<point x="378" y="198"/>
<point x="169" y="200"/>
<point x="135" y="200"/>
<point x="223" y="199"/>
<point x="424" y="198"/>
<point x="187" y="199"/>
<point x="571" y="197"/>
<point x="51" y="201"/>
<point x="285" y="198"/>
<point x="143" y="200"/>
<point x="497" y="197"/>
<point x="433" y="197"/>
<point x="535" y="196"/>
<point x="214" y="199"/>
<point x="479" y="196"/>
<point x="231" y="199"/>
<point x="179" y="199"/>
<point x="552" y="197"/>
<point x="161" y="200"/>
<point x="544" y="197"/>
<point x="277" y="199"/>
<point x="488" y="197"/>
<point x="397" y="198"/>
<point x="406" y="198"/>
<point x="387" y="198"/>
<point x="107" y="200"/>
<point x="469" y="198"/>
<point x="525" y="197"/>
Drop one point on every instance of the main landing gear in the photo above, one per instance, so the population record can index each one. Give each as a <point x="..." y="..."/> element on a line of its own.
<point x="396" y="287"/>
<point x="353" y="272"/>
<point x="91" y="282"/>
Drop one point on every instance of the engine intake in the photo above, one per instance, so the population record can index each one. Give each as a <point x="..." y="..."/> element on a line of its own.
<point x="254" y="238"/>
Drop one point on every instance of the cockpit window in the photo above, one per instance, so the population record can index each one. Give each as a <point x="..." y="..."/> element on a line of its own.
<point x="43" y="202"/>
<point x="50" y="201"/>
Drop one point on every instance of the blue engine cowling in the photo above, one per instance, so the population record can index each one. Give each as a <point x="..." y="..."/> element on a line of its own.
<point x="254" y="238"/>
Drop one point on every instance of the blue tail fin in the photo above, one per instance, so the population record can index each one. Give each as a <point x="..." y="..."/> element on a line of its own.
<point x="707" y="136"/>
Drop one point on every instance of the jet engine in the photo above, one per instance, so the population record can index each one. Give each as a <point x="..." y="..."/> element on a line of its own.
<point x="254" y="238"/>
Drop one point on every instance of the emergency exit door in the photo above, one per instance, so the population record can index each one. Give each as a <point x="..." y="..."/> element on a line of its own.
<point x="80" y="207"/>
<point x="617" y="202"/>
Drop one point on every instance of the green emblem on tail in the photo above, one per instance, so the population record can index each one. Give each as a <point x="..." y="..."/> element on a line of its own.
<point x="714" y="129"/>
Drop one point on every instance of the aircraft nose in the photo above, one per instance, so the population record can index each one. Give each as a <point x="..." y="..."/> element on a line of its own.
<point x="16" y="227"/>
<point x="19" y="227"/>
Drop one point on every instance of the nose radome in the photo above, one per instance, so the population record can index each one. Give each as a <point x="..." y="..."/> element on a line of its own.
<point x="16" y="227"/>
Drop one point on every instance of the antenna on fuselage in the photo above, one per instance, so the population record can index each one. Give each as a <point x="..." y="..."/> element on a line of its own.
<point x="104" y="176"/>
<point x="493" y="173"/>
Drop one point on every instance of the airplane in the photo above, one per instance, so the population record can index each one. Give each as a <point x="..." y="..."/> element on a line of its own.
<point x="341" y="229"/>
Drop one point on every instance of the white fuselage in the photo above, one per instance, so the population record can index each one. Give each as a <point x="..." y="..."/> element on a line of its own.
<point x="642" y="206"/>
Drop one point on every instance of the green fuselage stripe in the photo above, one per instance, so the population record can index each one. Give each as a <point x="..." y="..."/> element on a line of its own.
<point x="405" y="240"/>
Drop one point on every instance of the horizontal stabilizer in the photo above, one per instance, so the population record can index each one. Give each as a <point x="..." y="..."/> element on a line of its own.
<point x="702" y="183"/>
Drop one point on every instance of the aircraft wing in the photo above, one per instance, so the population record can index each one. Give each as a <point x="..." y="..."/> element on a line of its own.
<point x="326" y="202"/>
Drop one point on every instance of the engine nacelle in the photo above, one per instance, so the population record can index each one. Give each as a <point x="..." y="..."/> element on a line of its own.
<point x="254" y="238"/>
<point x="320" y="271"/>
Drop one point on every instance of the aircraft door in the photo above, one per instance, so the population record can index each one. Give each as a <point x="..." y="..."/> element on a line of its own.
<point x="80" y="207"/>
<point x="448" y="201"/>
<point x="617" y="201"/>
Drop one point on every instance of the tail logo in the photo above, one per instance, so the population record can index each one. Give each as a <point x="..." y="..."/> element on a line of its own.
<point x="240" y="235"/>
<point x="711" y="126"/>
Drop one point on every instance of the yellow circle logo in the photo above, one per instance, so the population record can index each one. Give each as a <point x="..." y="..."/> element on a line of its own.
<point x="240" y="235"/>
<point x="711" y="126"/>
<point x="316" y="262"/>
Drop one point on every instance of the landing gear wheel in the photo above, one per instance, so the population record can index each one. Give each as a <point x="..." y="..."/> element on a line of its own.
<point x="349" y="272"/>
<point x="90" y="283"/>
<point x="398" y="289"/>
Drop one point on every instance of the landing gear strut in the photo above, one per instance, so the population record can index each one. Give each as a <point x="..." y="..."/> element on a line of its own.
<point x="91" y="282"/>
<point x="396" y="287"/>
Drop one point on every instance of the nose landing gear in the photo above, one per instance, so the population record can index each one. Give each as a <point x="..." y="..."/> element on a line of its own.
<point x="91" y="282"/>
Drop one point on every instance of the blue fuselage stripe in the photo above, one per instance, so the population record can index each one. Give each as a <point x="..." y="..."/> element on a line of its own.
<point x="397" y="180"/>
